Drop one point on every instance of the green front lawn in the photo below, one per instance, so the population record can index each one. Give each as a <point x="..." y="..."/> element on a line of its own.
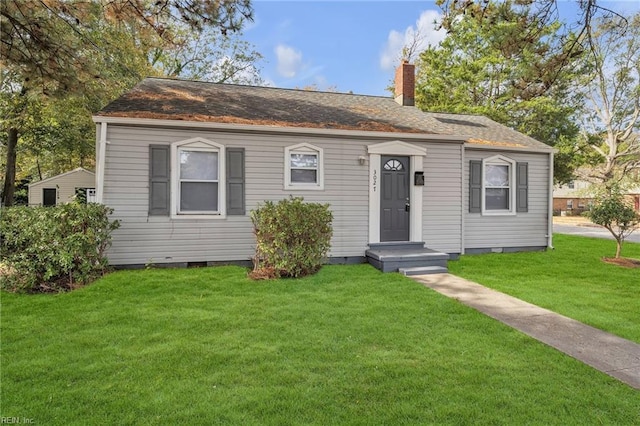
<point x="571" y="280"/>
<point x="347" y="346"/>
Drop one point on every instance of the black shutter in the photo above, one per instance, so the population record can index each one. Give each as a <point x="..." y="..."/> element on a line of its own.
<point x="475" y="186"/>
<point x="235" y="181"/>
<point x="522" y="187"/>
<point x="159" y="180"/>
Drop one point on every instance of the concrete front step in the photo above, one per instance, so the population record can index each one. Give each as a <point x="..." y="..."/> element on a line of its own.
<point x="399" y="245"/>
<point x="390" y="257"/>
<point x="423" y="270"/>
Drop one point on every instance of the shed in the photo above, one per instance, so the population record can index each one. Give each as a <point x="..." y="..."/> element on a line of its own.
<point x="63" y="188"/>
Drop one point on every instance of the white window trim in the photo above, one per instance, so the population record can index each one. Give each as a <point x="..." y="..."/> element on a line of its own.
<point x="303" y="148"/>
<point x="198" y="144"/>
<point x="500" y="160"/>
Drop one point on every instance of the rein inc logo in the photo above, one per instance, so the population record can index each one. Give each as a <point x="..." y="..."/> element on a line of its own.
<point x="16" y="421"/>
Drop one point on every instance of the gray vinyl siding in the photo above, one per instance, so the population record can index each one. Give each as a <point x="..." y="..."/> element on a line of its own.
<point x="142" y="238"/>
<point x="441" y="199"/>
<point x="159" y="239"/>
<point x="524" y="229"/>
<point x="65" y="184"/>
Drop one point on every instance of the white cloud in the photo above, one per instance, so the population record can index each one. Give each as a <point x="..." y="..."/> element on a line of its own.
<point x="289" y="60"/>
<point x="423" y="34"/>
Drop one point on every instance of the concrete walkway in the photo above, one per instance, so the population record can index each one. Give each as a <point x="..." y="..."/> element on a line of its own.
<point x="615" y="356"/>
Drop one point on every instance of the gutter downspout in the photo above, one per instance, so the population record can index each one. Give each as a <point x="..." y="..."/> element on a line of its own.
<point x="102" y="151"/>
<point x="462" y="186"/>
<point x="550" y="212"/>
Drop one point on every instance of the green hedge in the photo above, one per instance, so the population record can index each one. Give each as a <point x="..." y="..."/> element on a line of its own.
<point x="53" y="248"/>
<point x="292" y="238"/>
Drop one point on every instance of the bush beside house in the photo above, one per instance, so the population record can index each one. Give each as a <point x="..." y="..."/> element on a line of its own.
<point x="292" y="238"/>
<point x="54" y="248"/>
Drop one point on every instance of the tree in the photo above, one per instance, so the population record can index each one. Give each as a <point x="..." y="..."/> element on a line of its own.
<point x="611" y="88"/>
<point x="56" y="132"/>
<point x="614" y="213"/>
<point x="47" y="39"/>
<point x="508" y="66"/>
<point x="92" y="49"/>
<point x="541" y="12"/>
<point x="209" y="56"/>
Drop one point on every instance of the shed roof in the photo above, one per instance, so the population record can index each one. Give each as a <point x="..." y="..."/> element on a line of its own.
<point x="70" y="172"/>
<point x="171" y="99"/>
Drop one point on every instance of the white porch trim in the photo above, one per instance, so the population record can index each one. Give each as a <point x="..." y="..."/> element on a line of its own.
<point x="100" y="162"/>
<point x="416" y="155"/>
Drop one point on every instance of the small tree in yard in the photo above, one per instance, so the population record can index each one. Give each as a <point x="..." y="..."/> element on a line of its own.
<point x="615" y="214"/>
<point x="292" y="238"/>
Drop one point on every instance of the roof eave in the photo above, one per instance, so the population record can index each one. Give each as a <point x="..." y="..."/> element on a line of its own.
<point x="228" y="127"/>
<point x="542" y="149"/>
<point x="76" y="170"/>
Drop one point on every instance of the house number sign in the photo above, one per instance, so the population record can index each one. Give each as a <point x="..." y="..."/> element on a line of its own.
<point x="375" y="180"/>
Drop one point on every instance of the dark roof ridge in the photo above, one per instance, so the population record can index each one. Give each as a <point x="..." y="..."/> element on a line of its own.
<point x="253" y="86"/>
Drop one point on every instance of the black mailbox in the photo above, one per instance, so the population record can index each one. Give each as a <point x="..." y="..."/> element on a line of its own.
<point x="418" y="178"/>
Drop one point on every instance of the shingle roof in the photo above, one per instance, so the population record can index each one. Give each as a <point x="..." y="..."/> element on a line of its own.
<point x="170" y="99"/>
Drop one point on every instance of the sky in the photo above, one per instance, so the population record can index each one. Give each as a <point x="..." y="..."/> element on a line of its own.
<point x="350" y="45"/>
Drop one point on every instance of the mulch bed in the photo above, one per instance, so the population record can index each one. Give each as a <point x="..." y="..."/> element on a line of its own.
<point x="622" y="261"/>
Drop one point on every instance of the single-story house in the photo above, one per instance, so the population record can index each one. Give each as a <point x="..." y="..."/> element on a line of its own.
<point x="63" y="188"/>
<point x="182" y="163"/>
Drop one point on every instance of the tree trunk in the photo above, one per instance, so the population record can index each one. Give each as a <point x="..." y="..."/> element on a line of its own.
<point x="10" y="175"/>
<point x="618" y="248"/>
<point x="39" y="171"/>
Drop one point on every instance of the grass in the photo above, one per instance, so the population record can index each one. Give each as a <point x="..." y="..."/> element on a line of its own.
<point x="348" y="346"/>
<point x="571" y="280"/>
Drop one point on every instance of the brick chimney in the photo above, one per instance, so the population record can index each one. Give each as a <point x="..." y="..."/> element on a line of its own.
<point x="405" y="84"/>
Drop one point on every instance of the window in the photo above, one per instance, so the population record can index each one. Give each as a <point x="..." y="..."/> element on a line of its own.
<point x="498" y="186"/>
<point x="393" y="165"/>
<point x="198" y="178"/>
<point x="569" y="204"/>
<point x="499" y="178"/>
<point x="572" y="185"/>
<point x="303" y="167"/>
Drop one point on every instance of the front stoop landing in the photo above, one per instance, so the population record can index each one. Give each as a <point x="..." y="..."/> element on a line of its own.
<point x="408" y="258"/>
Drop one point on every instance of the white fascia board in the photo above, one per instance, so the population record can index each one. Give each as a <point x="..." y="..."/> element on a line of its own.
<point x="227" y="127"/>
<point x="509" y="148"/>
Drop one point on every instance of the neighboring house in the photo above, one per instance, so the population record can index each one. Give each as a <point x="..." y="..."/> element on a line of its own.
<point x="634" y="196"/>
<point x="63" y="188"/>
<point x="183" y="163"/>
<point x="572" y="199"/>
<point x="576" y="197"/>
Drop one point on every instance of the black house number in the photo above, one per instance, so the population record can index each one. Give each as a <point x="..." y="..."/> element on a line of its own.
<point x="375" y="180"/>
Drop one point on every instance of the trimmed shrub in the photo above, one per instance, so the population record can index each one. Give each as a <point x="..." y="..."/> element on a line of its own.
<point x="292" y="238"/>
<point x="51" y="249"/>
